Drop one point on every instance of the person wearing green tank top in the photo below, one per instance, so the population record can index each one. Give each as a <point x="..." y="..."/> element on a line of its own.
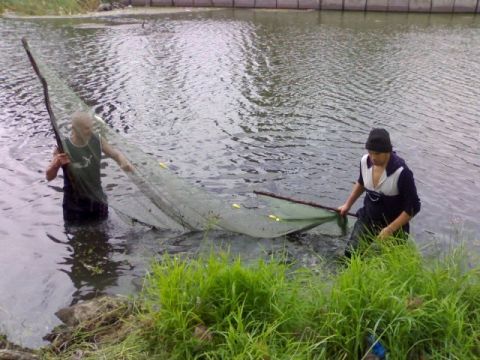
<point x="84" y="198"/>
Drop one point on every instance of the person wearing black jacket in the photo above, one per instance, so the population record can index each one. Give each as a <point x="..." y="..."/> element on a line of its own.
<point x="391" y="198"/>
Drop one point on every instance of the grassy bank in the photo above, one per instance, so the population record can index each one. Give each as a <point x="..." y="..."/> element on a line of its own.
<point x="49" y="7"/>
<point x="221" y="308"/>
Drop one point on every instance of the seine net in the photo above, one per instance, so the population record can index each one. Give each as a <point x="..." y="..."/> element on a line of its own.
<point x="154" y="195"/>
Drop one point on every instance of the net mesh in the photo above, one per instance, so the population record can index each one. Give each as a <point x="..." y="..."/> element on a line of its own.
<point x="154" y="195"/>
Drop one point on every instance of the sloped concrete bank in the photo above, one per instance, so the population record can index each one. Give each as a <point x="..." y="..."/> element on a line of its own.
<point x="421" y="6"/>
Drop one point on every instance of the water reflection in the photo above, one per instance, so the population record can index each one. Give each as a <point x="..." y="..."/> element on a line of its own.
<point x="90" y="263"/>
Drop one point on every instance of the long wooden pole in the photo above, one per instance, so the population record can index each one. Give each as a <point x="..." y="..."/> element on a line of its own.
<point x="309" y="203"/>
<point x="51" y="115"/>
<point x="45" y="94"/>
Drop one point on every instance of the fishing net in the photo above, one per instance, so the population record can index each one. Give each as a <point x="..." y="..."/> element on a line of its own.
<point x="154" y="195"/>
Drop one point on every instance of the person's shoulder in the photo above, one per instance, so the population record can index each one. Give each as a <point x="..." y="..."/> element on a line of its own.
<point x="398" y="161"/>
<point x="395" y="163"/>
<point x="95" y="138"/>
<point x="365" y="160"/>
<point x="66" y="141"/>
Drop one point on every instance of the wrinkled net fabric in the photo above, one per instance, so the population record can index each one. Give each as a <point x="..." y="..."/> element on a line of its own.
<point x="156" y="196"/>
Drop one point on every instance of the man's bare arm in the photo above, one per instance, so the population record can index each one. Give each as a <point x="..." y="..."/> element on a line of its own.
<point x="116" y="155"/>
<point x="59" y="160"/>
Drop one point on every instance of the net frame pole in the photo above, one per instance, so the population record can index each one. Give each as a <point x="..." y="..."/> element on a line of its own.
<point x="309" y="203"/>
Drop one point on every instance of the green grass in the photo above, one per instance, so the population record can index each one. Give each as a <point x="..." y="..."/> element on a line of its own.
<point x="244" y="308"/>
<point x="221" y="308"/>
<point x="48" y="7"/>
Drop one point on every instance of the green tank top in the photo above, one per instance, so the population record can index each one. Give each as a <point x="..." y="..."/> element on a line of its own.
<point x="85" y="168"/>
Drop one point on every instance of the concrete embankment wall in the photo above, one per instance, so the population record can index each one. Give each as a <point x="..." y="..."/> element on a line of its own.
<point x="425" y="6"/>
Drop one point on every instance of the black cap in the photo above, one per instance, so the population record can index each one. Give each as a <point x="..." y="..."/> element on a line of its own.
<point x="379" y="141"/>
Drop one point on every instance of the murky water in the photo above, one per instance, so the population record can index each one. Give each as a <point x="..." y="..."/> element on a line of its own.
<point x="236" y="100"/>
